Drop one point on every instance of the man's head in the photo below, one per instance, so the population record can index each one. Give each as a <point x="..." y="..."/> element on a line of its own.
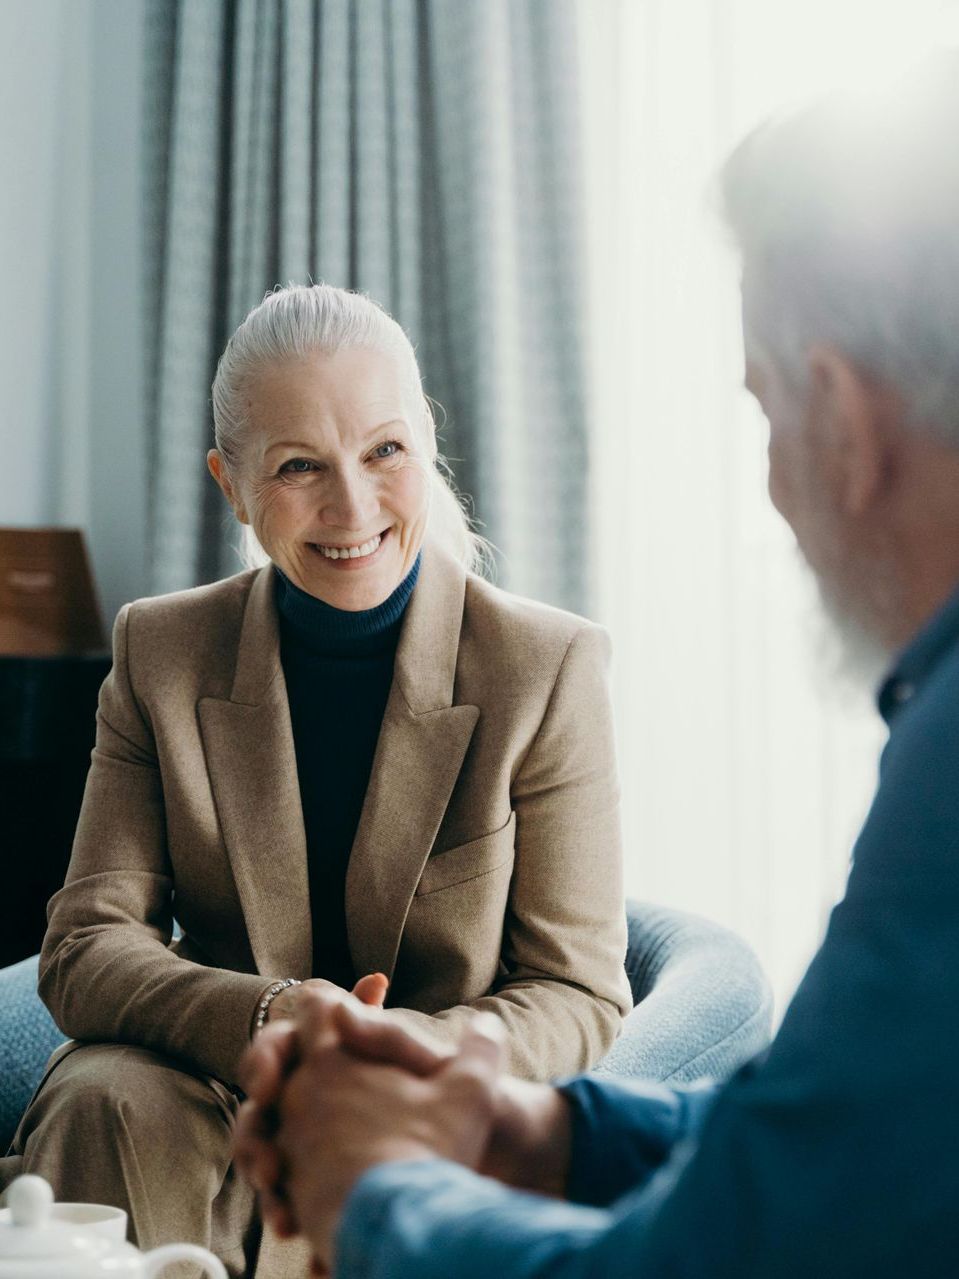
<point x="847" y="218"/>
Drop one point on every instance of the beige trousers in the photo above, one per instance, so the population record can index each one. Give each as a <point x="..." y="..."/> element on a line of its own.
<point x="116" y="1124"/>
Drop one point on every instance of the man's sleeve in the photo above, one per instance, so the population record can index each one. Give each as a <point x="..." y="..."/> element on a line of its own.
<point x="431" y="1219"/>
<point x="434" y="1217"/>
<point x="623" y="1132"/>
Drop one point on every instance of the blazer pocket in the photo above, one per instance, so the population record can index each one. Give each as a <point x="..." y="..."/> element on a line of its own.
<point x="468" y="861"/>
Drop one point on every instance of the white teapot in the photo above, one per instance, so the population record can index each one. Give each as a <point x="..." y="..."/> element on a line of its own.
<point x="34" y="1245"/>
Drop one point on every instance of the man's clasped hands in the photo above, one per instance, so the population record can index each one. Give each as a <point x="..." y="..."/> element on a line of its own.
<point x="339" y="1086"/>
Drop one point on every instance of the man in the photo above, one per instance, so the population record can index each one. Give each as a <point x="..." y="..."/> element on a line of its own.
<point x="837" y="1154"/>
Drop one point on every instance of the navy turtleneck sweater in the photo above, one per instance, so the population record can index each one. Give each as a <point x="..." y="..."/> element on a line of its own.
<point x="338" y="668"/>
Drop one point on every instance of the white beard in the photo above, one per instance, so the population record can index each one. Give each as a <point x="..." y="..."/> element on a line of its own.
<point x="848" y="655"/>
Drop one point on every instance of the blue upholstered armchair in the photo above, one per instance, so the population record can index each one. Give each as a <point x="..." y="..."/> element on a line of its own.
<point x="702" y="1007"/>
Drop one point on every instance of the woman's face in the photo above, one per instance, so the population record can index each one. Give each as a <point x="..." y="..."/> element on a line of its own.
<point x="333" y="475"/>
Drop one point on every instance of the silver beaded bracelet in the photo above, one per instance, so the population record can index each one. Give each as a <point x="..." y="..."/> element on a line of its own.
<point x="263" y="1007"/>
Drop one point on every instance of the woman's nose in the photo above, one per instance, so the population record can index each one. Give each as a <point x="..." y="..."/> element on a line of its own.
<point x="350" y="502"/>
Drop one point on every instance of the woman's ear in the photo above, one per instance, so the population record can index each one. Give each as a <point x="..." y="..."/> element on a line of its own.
<point x="850" y="413"/>
<point x="220" y="472"/>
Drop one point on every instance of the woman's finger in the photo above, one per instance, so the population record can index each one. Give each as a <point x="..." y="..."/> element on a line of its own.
<point x="381" y="1039"/>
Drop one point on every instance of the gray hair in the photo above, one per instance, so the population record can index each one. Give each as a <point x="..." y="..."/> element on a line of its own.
<point x="300" y="320"/>
<point x="847" y="217"/>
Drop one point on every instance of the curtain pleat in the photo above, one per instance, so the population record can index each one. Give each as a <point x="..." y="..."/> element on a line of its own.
<point x="404" y="108"/>
<point x="296" y="115"/>
<point x="187" y="347"/>
<point x="253" y="226"/>
<point x="160" y="31"/>
<point x="333" y="145"/>
<point x="419" y="150"/>
<point x="372" y="143"/>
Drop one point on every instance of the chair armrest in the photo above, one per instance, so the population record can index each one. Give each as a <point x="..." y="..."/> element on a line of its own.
<point x="28" y="1035"/>
<point x="702" y="1003"/>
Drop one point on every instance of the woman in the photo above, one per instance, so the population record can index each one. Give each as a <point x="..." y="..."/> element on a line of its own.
<point x="359" y="759"/>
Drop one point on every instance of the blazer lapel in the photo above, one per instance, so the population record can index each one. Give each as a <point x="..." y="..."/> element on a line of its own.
<point x="248" y="740"/>
<point x="419" y="754"/>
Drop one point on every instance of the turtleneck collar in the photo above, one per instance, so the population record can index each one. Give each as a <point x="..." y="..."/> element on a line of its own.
<point x="336" y="631"/>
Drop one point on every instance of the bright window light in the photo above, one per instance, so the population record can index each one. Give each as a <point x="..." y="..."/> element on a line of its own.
<point x="745" y="776"/>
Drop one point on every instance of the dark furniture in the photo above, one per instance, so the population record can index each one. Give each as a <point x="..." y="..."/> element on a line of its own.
<point x="47" y="727"/>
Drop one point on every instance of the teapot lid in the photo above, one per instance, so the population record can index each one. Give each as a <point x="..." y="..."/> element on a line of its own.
<point x="30" y="1234"/>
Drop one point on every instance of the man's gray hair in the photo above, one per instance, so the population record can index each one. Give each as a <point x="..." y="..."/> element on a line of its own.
<point x="300" y="320"/>
<point x="847" y="217"/>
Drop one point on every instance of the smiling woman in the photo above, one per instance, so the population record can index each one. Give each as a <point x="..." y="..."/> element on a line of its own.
<point x="359" y="766"/>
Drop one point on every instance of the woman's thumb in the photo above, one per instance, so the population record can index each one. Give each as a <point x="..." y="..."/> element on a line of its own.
<point x="372" y="989"/>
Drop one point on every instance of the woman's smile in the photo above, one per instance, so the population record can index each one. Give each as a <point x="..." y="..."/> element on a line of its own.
<point x="351" y="556"/>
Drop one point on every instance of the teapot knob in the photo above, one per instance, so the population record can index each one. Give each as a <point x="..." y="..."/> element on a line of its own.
<point x="30" y="1200"/>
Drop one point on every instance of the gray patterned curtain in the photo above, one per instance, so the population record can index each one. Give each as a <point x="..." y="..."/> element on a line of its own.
<point x="423" y="151"/>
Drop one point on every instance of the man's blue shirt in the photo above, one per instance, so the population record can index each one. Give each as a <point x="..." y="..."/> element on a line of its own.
<point x="835" y="1156"/>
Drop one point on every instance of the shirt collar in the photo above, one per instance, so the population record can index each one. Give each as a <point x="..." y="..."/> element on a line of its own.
<point x="917" y="661"/>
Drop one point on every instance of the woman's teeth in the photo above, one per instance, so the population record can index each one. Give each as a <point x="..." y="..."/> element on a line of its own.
<point x="350" y="552"/>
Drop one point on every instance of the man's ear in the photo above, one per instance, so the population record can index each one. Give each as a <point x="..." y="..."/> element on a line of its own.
<point x="850" y="413"/>
<point x="220" y="472"/>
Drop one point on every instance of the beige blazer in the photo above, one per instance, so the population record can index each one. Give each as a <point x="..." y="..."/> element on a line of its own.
<point x="485" y="872"/>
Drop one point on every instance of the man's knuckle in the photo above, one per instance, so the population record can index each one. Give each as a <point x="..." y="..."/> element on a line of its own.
<point x="472" y="1085"/>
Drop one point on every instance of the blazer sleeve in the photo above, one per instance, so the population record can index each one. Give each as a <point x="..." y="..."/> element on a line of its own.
<point x="106" y="972"/>
<point x="564" y="990"/>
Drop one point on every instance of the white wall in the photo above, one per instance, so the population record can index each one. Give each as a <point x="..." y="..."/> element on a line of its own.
<point x="70" y="344"/>
<point x="30" y="129"/>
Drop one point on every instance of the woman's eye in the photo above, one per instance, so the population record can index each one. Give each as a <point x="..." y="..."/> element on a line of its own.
<point x="296" y="466"/>
<point x="389" y="449"/>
